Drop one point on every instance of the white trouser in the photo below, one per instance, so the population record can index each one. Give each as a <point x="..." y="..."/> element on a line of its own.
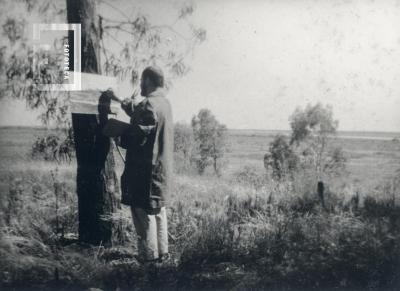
<point x="152" y="231"/>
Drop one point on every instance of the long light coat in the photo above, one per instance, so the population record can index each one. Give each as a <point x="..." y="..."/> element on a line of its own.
<point x="149" y="157"/>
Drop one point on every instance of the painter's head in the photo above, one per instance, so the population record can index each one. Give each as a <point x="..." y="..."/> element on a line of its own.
<point x="152" y="78"/>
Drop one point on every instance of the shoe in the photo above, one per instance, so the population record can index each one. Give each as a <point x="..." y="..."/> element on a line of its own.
<point x="164" y="258"/>
<point x="142" y="260"/>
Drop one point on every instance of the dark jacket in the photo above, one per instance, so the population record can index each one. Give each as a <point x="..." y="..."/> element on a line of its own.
<point x="149" y="144"/>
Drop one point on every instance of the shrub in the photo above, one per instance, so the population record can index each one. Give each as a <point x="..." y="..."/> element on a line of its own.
<point x="250" y="176"/>
<point x="45" y="147"/>
<point x="53" y="147"/>
<point x="184" y="147"/>
<point x="336" y="162"/>
<point x="280" y="158"/>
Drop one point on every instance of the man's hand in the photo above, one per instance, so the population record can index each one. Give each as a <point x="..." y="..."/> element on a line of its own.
<point x="110" y="94"/>
<point x="126" y="104"/>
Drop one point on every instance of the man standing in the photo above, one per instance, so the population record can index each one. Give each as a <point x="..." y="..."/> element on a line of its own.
<point x="148" y="164"/>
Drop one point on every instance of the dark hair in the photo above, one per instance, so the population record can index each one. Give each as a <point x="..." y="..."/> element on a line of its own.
<point x="155" y="74"/>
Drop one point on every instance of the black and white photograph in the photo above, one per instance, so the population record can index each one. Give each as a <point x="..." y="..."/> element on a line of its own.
<point x="199" y="145"/>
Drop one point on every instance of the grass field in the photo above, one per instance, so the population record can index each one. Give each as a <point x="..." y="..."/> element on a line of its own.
<point x="372" y="157"/>
<point x="224" y="233"/>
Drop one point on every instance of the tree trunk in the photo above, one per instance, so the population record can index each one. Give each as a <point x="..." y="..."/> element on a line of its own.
<point x="97" y="183"/>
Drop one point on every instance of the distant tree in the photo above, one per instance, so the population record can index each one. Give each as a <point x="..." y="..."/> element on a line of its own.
<point x="312" y="129"/>
<point x="184" y="144"/>
<point x="280" y="159"/>
<point x="210" y="137"/>
<point x="314" y="121"/>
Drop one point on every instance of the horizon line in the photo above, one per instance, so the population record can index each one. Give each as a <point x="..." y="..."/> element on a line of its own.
<point x="237" y="129"/>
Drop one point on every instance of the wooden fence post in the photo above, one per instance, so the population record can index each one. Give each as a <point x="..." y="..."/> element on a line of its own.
<point x="320" y="190"/>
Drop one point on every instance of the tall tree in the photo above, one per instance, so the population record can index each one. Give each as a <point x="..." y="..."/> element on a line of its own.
<point x="96" y="180"/>
<point x="210" y="138"/>
<point x="313" y="129"/>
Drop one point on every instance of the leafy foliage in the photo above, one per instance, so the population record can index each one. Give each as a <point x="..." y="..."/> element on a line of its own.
<point x="280" y="158"/>
<point x="210" y="138"/>
<point x="313" y="129"/>
<point x="335" y="162"/>
<point x="314" y="121"/>
<point x="148" y="44"/>
<point x="53" y="147"/>
<point x="184" y="146"/>
<point x="13" y="29"/>
<point x="309" y="149"/>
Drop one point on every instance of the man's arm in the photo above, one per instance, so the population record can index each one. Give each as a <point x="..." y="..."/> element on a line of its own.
<point x="144" y="124"/>
<point x="127" y="104"/>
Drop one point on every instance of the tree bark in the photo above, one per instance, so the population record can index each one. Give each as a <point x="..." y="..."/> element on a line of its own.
<point x="97" y="183"/>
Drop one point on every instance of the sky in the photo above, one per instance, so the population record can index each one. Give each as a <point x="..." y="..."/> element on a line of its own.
<point x="262" y="59"/>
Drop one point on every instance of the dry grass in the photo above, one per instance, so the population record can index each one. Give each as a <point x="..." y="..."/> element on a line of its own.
<point x="238" y="232"/>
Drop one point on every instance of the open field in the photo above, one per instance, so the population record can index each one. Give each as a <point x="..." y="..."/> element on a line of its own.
<point x="224" y="233"/>
<point x="372" y="157"/>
